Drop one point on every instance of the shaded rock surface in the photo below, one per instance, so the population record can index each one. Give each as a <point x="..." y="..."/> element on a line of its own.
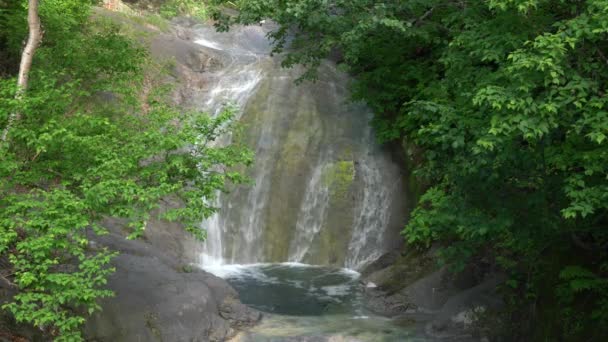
<point x="170" y="237"/>
<point x="158" y="299"/>
<point x="10" y="330"/>
<point x="413" y="289"/>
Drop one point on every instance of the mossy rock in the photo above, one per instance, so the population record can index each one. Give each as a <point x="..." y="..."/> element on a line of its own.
<point x="408" y="268"/>
<point x="151" y="321"/>
<point x="339" y="177"/>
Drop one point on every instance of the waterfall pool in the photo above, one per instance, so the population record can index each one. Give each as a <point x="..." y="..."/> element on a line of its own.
<point x="319" y="177"/>
<point x="310" y="303"/>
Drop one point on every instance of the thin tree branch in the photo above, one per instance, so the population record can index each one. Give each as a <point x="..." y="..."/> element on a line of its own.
<point x="424" y="16"/>
<point x="7" y="281"/>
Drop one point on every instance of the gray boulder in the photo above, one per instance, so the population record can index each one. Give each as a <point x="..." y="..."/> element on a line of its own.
<point x="159" y="299"/>
<point x="448" y="304"/>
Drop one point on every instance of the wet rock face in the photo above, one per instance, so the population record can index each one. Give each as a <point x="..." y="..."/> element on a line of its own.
<point x="324" y="191"/>
<point x="379" y="302"/>
<point x="158" y="299"/>
<point x="411" y="287"/>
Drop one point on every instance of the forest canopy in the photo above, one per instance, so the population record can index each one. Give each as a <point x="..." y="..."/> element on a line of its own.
<point x="503" y="103"/>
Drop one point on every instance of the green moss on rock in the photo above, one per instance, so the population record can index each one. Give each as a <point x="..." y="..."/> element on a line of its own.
<point x="339" y="177"/>
<point x="151" y="320"/>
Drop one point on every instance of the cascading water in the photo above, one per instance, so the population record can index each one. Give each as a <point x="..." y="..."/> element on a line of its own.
<point x="311" y="215"/>
<point x="232" y="84"/>
<point x="324" y="192"/>
<point x="371" y="214"/>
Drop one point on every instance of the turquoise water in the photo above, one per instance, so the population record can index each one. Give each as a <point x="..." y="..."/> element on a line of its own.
<point x="311" y="303"/>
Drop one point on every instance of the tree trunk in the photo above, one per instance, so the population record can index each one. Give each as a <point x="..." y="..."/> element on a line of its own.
<point x="34" y="38"/>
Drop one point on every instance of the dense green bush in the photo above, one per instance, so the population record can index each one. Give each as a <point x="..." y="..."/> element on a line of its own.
<point x="507" y="100"/>
<point x="96" y="138"/>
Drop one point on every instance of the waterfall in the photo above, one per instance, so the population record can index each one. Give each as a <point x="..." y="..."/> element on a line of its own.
<point x="311" y="216"/>
<point x="371" y="215"/>
<point x="324" y="192"/>
<point x="232" y="84"/>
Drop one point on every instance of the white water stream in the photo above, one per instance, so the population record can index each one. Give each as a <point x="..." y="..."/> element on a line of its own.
<point x="323" y="191"/>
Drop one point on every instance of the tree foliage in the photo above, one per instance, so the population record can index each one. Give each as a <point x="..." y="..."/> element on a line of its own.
<point x="193" y="8"/>
<point x="97" y="137"/>
<point x="507" y="100"/>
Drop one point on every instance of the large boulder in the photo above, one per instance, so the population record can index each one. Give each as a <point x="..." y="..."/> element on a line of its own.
<point x="412" y="288"/>
<point x="462" y="310"/>
<point x="160" y="299"/>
